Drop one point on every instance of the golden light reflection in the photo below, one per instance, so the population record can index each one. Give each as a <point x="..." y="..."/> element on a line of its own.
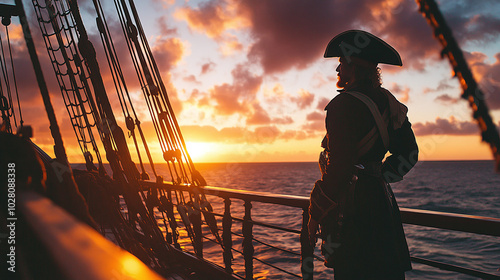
<point x="131" y="265"/>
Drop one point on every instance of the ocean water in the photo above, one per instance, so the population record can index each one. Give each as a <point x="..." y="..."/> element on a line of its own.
<point x="465" y="187"/>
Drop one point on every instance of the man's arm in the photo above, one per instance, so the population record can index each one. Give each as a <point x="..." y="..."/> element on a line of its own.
<point x="404" y="153"/>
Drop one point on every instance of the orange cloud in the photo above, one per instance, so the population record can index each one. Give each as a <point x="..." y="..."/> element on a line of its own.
<point x="209" y="18"/>
<point x="283" y="121"/>
<point x="168" y="52"/>
<point x="236" y="97"/>
<point x="213" y="18"/>
<point x="230" y="45"/>
<point x="402" y="93"/>
<point x="315" y="116"/>
<point x="259" y="116"/>
<point x="322" y="103"/>
<point x="304" y="99"/>
<point x="240" y="135"/>
<point x="316" y="123"/>
<point x="281" y="42"/>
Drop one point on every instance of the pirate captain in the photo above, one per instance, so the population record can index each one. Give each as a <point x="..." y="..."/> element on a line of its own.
<point x="353" y="204"/>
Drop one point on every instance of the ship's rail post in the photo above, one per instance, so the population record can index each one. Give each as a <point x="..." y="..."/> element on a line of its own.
<point x="248" y="249"/>
<point x="227" y="222"/>
<point x="306" y="250"/>
<point x="198" y="234"/>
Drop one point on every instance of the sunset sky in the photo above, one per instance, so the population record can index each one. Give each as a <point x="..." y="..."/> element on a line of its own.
<point x="248" y="81"/>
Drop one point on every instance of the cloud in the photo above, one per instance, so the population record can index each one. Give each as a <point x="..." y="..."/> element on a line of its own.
<point x="173" y="96"/>
<point x="259" y="116"/>
<point x="322" y="103"/>
<point x="165" y="30"/>
<point x="449" y="126"/>
<point x="315" y="116"/>
<point x="315" y="123"/>
<point x="168" y="52"/>
<point x="319" y="80"/>
<point x="282" y="121"/>
<point x="294" y="134"/>
<point x="471" y="23"/>
<point x="402" y="92"/>
<point x="304" y="99"/>
<point x="236" y="97"/>
<point x="229" y="45"/>
<point x="207" y="67"/>
<point x="191" y="79"/>
<point x="443" y="85"/>
<point x="281" y="41"/>
<point x="259" y="135"/>
<point x="27" y="85"/>
<point x="264" y="134"/>
<point x="403" y="27"/>
<point x="315" y="127"/>
<point x="215" y="19"/>
<point x="488" y="77"/>
<point x="211" y="17"/>
<point x="446" y="99"/>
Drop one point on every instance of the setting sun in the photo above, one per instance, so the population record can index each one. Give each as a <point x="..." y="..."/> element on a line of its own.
<point x="198" y="150"/>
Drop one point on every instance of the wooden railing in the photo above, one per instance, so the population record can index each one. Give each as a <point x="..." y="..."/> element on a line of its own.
<point x="450" y="221"/>
<point x="55" y="245"/>
<point x="98" y="257"/>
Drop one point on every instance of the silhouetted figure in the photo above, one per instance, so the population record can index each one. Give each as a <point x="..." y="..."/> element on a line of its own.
<point x="361" y="228"/>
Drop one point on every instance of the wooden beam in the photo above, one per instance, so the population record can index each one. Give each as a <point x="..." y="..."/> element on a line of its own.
<point x="78" y="251"/>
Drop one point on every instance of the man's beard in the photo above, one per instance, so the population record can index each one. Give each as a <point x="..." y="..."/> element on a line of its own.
<point x="341" y="83"/>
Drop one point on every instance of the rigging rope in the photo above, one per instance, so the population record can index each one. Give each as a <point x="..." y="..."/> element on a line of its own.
<point x="154" y="91"/>
<point x="173" y="148"/>
<point x="77" y="71"/>
<point x="58" y="26"/>
<point x="57" y="31"/>
<point x="6" y="102"/>
<point x="21" y="122"/>
<point x="121" y="88"/>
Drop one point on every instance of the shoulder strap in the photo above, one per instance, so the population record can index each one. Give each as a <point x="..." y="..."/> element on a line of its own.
<point x="379" y="121"/>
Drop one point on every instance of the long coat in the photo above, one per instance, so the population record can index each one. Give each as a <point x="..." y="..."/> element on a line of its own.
<point x="369" y="241"/>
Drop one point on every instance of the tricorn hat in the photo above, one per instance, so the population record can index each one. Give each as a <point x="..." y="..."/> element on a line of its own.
<point x="364" y="45"/>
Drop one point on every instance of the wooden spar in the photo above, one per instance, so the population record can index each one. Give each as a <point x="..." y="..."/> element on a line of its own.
<point x="471" y="91"/>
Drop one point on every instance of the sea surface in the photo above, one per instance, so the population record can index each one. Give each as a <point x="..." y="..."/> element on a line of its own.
<point x="464" y="187"/>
